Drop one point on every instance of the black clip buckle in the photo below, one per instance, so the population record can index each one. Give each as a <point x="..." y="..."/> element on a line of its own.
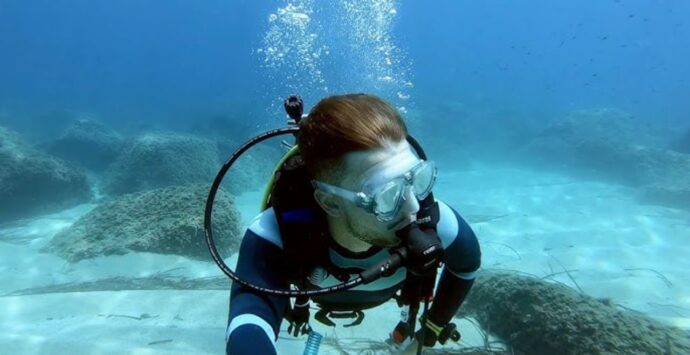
<point x="324" y="316"/>
<point x="448" y="332"/>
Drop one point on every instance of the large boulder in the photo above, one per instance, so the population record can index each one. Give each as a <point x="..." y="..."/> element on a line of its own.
<point x="33" y="183"/>
<point x="538" y="317"/>
<point x="666" y="195"/>
<point x="253" y="170"/>
<point x="234" y="120"/>
<point x="597" y="141"/>
<point x="88" y="143"/>
<point x="38" y="124"/>
<point x="470" y="132"/>
<point x="155" y="160"/>
<point x="609" y="144"/>
<point x="682" y="144"/>
<point x="603" y="125"/>
<point x="164" y="221"/>
<point x="672" y="190"/>
<point x="234" y="124"/>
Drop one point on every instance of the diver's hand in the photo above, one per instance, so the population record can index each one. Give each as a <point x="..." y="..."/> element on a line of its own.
<point x="298" y="318"/>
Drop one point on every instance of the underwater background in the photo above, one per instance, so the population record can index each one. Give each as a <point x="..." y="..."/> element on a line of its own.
<point x="561" y="130"/>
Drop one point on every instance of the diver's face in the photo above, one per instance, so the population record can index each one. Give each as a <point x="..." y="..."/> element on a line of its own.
<point x="377" y="167"/>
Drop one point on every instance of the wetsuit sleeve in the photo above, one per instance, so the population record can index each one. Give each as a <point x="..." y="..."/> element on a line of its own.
<point x="462" y="255"/>
<point x="255" y="317"/>
<point x="462" y="258"/>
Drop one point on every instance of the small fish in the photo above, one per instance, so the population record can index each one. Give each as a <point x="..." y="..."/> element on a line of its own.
<point x="160" y="341"/>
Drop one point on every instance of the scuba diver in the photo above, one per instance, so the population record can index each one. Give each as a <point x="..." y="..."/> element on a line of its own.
<point x="350" y="211"/>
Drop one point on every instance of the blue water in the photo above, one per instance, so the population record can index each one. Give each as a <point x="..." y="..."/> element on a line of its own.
<point x="169" y="60"/>
<point x="476" y="81"/>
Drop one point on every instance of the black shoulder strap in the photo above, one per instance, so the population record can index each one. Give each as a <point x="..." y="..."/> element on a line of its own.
<point x="303" y="225"/>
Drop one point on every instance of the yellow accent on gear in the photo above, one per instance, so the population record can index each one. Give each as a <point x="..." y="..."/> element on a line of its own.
<point x="269" y="186"/>
<point x="433" y="327"/>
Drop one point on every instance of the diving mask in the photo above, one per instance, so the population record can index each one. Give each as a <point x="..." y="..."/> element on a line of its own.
<point x="385" y="199"/>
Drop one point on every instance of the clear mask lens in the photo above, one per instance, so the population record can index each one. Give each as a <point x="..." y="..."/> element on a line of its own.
<point x="389" y="198"/>
<point x="423" y="181"/>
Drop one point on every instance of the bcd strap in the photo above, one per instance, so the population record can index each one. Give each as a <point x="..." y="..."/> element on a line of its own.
<point x="302" y="223"/>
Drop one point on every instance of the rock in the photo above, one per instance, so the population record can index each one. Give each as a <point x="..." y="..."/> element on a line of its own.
<point x="32" y="183"/>
<point x="163" y="221"/>
<point x="39" y="125"/>
<point x="682" y="144"/>
<point x="88" y="143"/>
<point x="468" y="132"/>
<point x="669" y="196"/>
<point x="673" y="193"/>
<point x="604" y="143"/>
<point x="537" y="317"/>
<point x="253" y="170"/>
<point x="602" y="125"/>
<point x="156" y="160"/>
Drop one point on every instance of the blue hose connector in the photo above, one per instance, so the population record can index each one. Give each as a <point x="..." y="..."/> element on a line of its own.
<point x="313" y="343"/>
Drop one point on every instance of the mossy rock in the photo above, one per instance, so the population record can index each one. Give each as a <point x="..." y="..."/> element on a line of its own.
<point x="538" y="317"/>
<point x="164" y="221"/>
<point x="33" y="183"/>
<point x="155" y="160"/>
<point x="88" y="143"/>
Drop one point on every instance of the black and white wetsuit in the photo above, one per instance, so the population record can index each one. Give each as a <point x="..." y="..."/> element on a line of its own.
<point x="255" y="317"/>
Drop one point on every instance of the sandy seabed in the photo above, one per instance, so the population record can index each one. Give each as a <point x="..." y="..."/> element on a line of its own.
<point x="534" y="222"/>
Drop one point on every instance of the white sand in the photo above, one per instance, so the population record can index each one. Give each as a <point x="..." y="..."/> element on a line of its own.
<point x="537" y="223"/>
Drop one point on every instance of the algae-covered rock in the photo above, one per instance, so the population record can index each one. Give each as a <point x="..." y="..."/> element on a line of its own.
<point x="667" y="192"/>
<point x="538" y="317"/>
<point x="682" y="144"/>
<point x="88" y="143"/>
<point x="602" y="142"/>
<point x="612" y="145"/>
<point x="253" y="170"/>
<point x="33" y="183"/>
<point x="156" y="160"/>
<point x="164" y="221"/>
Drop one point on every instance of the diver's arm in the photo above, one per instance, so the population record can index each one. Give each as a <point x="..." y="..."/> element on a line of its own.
<point x="462" y="258"/>
<point x="450" y="293"/>
<point x="254" y="319"/>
